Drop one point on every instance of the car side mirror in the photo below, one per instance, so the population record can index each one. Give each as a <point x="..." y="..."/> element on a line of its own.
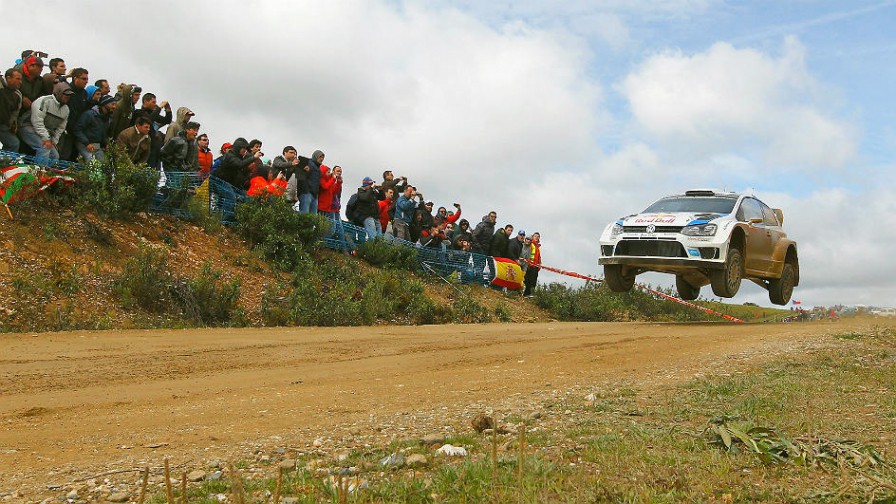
<point x="780" y="215"/>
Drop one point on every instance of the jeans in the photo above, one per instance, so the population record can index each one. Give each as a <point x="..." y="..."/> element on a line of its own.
<point x="400" y="229"/>
<point x="372" y="226"/>
<point x="9" y="139"/>
<point x="90" y="156"/>
<point x="30" y="137"/>
<point x="307" y="203"/>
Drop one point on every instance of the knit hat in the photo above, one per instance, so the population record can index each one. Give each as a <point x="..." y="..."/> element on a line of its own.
<point x="367" y="182"/>
<point x="105" y="100"/>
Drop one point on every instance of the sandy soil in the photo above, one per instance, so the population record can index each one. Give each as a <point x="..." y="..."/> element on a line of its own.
<point x="79" y="403"/>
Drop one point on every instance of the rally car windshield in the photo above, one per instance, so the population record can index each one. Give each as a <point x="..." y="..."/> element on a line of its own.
<point x="711" y="204"/>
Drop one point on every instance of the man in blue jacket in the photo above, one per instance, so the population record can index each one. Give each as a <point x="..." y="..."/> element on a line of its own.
<point x="92" y="128"/>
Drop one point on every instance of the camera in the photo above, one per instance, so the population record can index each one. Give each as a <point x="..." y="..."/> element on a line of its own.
<point x="457" y="205"/>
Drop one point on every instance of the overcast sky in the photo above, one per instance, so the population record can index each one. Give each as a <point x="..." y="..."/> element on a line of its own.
<point x="560" y="116"/>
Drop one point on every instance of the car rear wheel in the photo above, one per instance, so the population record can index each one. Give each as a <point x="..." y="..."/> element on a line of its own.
<point x="616" y="280"/>
<point x="781" y="289"/>
<point x="686" y="291"/>
<point x="726" y="281"/>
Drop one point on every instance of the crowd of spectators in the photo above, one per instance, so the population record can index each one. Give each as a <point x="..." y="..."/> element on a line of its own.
<point x="58" y="115"/>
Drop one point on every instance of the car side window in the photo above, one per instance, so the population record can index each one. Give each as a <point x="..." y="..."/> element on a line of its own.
<point x="768" y="216"/>
<point x="749" y="209"/>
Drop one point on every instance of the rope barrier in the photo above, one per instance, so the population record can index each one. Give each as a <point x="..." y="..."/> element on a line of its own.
<point x="642" y="287"/>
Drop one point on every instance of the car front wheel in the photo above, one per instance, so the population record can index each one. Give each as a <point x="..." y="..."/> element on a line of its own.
<point x="726" y="281"/>
<point x="781" y="289"/>
<point x="686" y="291"/>
<point x="616" y="280"/>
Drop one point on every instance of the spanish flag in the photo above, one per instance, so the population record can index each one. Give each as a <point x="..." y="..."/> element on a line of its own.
<point x="508" y="274"/>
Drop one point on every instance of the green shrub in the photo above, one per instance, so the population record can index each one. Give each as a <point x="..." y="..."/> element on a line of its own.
<point x="381" y="253"/>
<point x="595" y="302"/>
<point x="468" y="310"/>
<point x="146" y="283"/>
<point x="502" y="312"/>
<point x="115" y="187"/>
<point x="281" y="234"/>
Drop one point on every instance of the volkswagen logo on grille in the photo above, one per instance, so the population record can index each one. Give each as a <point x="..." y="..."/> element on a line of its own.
<point x="651" y="228"/>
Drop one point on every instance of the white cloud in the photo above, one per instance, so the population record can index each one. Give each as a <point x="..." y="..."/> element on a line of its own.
<point x="727" y="99"/>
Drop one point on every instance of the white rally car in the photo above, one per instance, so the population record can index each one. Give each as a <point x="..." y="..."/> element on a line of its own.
<point x="703" y="237"/>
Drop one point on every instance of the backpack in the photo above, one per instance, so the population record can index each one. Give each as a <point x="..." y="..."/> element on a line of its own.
<point x="351" y="210"/>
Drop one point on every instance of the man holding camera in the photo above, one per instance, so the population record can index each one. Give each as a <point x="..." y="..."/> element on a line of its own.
<point x="154" y="112"/>
<point x="405" y="208"/>
<point x="398" y="185"/>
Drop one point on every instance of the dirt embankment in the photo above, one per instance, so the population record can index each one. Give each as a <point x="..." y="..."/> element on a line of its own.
<point x="81" y="403"/>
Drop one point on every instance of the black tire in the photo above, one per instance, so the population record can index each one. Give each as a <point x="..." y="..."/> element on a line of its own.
<point x="686" y="291"/>
<point x="781" y="289"/>
<point x="616" y="281"/>
<point x="726" y="281"/>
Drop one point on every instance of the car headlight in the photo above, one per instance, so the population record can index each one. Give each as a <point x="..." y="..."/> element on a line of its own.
<point x="700" y="230"/>
<point x="616" y="230"/>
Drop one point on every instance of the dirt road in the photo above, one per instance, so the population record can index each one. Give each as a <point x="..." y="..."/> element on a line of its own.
<point x="75" y="403"/>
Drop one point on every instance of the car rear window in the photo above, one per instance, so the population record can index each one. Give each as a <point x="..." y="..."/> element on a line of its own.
<point x="702" y="204"/>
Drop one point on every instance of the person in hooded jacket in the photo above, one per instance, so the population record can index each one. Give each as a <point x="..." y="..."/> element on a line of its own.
<point x="309" y="190"/>
<point x="233" y="167"/>
<point x="180" y="154"/>
<point x="48" y="119"/>
<point x="483" y="233"/>
<point x="128" y="94"/>
<point x="462" y="232"/>
<point x="91" y="129"/>
<point x="184" y="115"/>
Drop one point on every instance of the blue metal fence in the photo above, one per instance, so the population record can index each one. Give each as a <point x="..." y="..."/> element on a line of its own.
<point x="184" y="194"/>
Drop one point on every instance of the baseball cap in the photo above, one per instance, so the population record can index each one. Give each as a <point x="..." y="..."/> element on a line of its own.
<point x="522" y="232"/>
<point x="226" y="145"/>
<point x="367" y="182"/>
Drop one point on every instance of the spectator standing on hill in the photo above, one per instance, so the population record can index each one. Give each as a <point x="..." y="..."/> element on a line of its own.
<point x="32" y="86"/>
<point x="233" y="168"/>
<point x="184" y="115"/>
<point x="128" y="95"/>
<point x="463" y="232"/>
<point x="515" y="246"/>
<point x="500" y="241"/>
<point x="217" y="162"/>
<point x="534" y="261"/>
<point x="287" y="163"/>
<point x="398" y="185"/>
<point x="92" y="128"/>
<point x="93" y="95"/>
<point x="449" y="218"/>
<point x="57" y="67"/>
<point x="205" y="155"/>
<point x="387" y="208"/>
<point x="180" y="153"/>
<point x="10" y="104"/>
<point x="257" y="162"/>
<point x="48" y="119"/>
<point x="310" y="187"/>
<point x="405" y="208"/>
<point x="136" y="141"/>
<point x="152" y="110"/>
<point x="103" y="86"/>
<point x="77" y="105"/>
<point x="367" y="208"/>
<point x="426" y="215"/>
<point x="483" y="233"/>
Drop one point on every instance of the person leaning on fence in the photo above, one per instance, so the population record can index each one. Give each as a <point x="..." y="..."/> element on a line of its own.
<point x="10" y="104"/>
<point x="135" y="140"/>
<point x="91" y="129"/>
<point x="180" y="154"/>
<point x="48" y="119"/>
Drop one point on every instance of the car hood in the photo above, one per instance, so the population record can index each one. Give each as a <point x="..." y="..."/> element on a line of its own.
<point x="669" y="219"/>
